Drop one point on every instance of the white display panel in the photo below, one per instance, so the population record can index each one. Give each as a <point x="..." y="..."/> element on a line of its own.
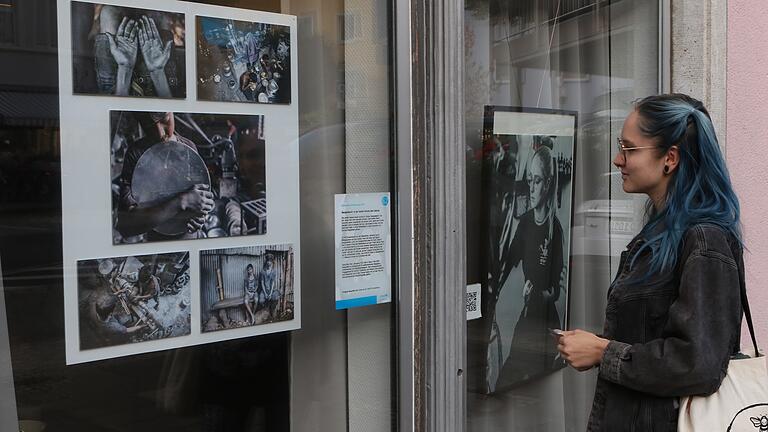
<point x="87" y="179"/>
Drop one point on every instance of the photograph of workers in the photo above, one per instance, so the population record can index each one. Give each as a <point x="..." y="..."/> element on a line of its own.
<point x="131" y="299"/>
<point x="240" y="61"/>
<point x="246" y="286"/>
<point x="527" y="185"/>
<point x="123" y="51"/>
<point x="178" y="176"/>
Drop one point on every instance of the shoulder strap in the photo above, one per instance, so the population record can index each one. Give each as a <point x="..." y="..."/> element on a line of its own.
<point x="745" y="303"/>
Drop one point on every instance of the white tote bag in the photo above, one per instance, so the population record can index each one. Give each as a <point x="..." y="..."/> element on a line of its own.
<point x="741" y="402"/>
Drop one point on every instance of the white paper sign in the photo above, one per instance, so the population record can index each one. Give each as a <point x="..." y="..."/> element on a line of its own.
<point x="473" y="301"/>
<point x="363" y="250"/>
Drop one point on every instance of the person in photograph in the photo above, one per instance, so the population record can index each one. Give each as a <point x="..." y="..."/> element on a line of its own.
<point x="267" y="285"/>
<point x="106" y="314"/>
<point x="537" y="245"/>
<point x="249" y="84"/>
<point x="131" y="56"/>
<point x="194" y="204"/>
<point x="674" y="312"/>
<point x="148" y="287"/>
<point x="251" y="295"/>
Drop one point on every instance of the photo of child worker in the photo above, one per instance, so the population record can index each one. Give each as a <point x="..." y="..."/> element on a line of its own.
<point x="124" y="51"/>
<point x="246" y="287"/>
<point x="239" y="61"/>
<point x="181" y="176"/>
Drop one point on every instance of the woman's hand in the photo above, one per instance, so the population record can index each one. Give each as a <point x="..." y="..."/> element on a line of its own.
<point x="581" y="349"/>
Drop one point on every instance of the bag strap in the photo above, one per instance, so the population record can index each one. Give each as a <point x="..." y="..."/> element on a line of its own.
<point x="745" y="306"/>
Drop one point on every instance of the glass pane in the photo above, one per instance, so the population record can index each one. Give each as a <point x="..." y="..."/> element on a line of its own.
<point x="548" y="84"/>
<point x="335" y="373"/>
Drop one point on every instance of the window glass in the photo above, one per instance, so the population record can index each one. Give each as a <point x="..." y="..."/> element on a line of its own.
<point x="334" y="373"/>
<point x="548" y="84"/>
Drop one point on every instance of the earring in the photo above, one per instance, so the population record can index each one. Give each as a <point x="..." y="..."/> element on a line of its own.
<point x="666" y="169"/>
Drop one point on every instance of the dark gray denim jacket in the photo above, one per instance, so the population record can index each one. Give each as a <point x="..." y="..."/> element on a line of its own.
<point x="671" y="334"/>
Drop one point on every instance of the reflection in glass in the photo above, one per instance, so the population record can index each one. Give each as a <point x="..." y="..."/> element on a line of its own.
<point x="593" y="58"/>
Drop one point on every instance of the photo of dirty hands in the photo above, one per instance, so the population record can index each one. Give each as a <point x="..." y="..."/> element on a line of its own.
<point x="182" y="176"/>
<point x="124" y="300"/>
<point x="240" y="61"/>
<point x="123" y="51"/>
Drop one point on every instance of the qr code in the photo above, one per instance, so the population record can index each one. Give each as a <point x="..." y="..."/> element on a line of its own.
<point x="472" y="302"/>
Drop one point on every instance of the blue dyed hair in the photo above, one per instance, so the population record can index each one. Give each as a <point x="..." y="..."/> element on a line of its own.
<point x="700" y="190"/>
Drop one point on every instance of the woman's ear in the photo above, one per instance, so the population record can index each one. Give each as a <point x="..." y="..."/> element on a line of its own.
<point x="672" y="159"/>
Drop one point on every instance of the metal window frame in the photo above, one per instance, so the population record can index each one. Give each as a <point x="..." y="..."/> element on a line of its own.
<point x="430" y="183"/>
<point x="404" y="227"/>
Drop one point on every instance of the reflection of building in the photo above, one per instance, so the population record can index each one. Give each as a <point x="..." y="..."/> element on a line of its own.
<point x="29" y="104"/>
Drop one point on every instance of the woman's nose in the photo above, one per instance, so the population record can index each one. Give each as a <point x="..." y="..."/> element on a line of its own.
<point x="619" y="160"/>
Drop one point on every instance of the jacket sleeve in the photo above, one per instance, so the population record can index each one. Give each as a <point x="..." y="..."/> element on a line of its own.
<point x="703" y="325"/>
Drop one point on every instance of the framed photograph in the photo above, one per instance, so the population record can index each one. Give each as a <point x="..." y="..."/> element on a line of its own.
<point x="130" y="299"/>
<point x="125" y="51"/>
<point x="240" y="61"/>
<point x="246" y="287"/>
<point x="182" y="176"/>
<point x="526" y="212"/>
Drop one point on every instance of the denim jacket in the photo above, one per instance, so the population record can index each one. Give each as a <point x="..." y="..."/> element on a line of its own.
<point x="671" y="334"/>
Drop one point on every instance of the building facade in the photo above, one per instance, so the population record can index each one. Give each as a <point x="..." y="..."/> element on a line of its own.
<point x="472" y="117"/>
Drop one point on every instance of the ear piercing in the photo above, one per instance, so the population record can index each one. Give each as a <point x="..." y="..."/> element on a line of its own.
<point x="666" y="169"/>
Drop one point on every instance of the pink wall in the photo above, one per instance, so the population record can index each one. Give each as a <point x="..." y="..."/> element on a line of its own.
<point x="747" y="143"/>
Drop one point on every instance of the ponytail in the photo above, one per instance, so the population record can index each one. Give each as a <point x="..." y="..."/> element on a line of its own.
<point x="700" y="190"/>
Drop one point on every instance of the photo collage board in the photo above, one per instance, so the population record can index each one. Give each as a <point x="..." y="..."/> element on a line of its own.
<point x="180" y="175"/>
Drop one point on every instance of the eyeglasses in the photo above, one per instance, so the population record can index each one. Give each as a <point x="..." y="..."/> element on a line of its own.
<point x="623" y="149"/>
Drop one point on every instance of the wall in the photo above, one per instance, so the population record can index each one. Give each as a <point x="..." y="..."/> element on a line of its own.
<point x="747" y="135"/>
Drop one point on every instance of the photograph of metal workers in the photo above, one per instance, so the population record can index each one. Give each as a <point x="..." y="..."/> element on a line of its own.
<point x="178" y="176"/>
<point x="124" y="51"/>
<point x="245" y="287"/>
<point x="673" y="318"/>
<point x="132" y="299"/>
<point x="529" y="199"/>
<point x="240" y="61"/>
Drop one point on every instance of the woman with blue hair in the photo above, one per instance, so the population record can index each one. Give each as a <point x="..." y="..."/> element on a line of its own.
<point x="673" y="316"/>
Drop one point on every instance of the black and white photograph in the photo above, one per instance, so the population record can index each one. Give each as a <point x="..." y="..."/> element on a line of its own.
<point x="124" y="51"/>
<point x="130" y="299"/>
<point x="246" y="286"/>
<point x="182" y="176"/>
<point x="239" y="61"/>
<point x="527" y="183"/>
